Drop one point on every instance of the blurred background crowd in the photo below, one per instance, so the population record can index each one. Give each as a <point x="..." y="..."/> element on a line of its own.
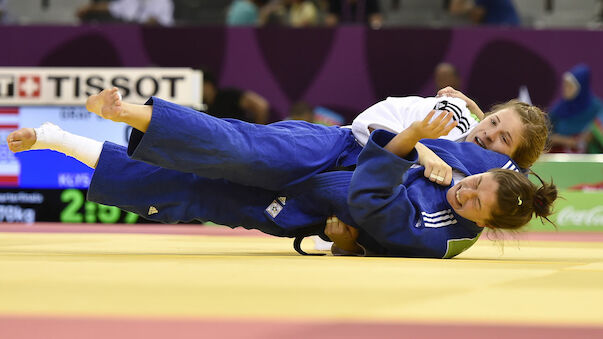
<point x="306" y="13"/>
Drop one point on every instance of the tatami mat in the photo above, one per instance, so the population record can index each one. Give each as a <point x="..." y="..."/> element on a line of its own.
<point x="518" y="282"/>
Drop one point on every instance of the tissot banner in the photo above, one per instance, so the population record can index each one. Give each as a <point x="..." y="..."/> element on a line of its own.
<point x="70" y="86"/>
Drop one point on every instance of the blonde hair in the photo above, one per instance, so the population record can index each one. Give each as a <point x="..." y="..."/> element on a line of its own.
<point x="536" y="129"/>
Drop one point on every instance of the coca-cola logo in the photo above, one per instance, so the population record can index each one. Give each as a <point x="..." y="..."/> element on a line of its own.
<point x="588" y="217"/>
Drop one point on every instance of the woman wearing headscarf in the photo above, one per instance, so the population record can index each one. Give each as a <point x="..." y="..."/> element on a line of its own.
<point x="573" y="115"/>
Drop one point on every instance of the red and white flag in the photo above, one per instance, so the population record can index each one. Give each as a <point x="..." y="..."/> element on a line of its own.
<point x="10" y="168"/>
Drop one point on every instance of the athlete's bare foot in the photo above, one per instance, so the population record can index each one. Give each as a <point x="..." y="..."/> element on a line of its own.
<point x="106" y="104"/>
<point x="21" y="140"/>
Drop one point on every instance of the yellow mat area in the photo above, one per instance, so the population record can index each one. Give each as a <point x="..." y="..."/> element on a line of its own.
<point x="262" y="277"/>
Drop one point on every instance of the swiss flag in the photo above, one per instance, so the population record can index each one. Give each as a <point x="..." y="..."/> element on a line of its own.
<point x="29" y="86"/>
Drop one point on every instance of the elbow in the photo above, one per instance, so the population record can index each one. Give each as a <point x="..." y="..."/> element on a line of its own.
<point x="363" y="207"/>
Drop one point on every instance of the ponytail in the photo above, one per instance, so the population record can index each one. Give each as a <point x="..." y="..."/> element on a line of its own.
<point x="519" y="200"/>
<point x="543" y="199"/>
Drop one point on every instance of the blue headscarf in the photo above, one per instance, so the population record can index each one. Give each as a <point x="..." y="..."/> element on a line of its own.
<point x="572" y="116"/>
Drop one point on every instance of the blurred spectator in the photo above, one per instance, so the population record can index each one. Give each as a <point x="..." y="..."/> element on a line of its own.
<point x="573" y="115"/>
<point x="3" y="16"/>
<point x="302" y="13"/>
<point x="301" y="110"/>
<point x="487" y="12"/>
<point x="149" y="12"/>
<point x="233" y="102"/>
<point x="293" y="13"/>
<point x="445" y="74"/>
<point x="243" y="13"/>
<point x="6" y="16"/>
<point x="354" y="11"/>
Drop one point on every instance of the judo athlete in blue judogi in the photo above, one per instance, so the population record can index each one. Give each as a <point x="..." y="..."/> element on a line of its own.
<point x="230" y="179"/>
<point x="286" y="179"/>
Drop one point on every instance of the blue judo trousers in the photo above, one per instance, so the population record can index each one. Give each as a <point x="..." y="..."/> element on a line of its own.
<point x="279" y="179"/>
<point x="192" y="166"/>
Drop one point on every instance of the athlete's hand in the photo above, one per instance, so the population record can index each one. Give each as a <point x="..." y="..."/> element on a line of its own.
<point x="471" y="105"/>
<point x="343" y="236"/>
<point x="436" y="169"/>
<point x="434" y="128"/>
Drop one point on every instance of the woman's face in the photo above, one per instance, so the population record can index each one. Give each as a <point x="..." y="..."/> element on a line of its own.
<point x="500" y="132"/>
<point x="570" y="87"/>
<point x="474" y="198"/>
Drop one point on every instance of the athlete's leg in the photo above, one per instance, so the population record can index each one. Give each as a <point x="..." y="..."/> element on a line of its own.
<point x="170" y="196"/>
<point x="108" y="104"/>
<point x="49" y="136"/>
<point x="152" y="192"/>
<point x="183" y="139"/>
<point x="266" y="156"/>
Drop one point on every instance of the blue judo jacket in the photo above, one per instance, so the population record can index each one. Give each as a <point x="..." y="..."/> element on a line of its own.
<point x="399" y="212"/>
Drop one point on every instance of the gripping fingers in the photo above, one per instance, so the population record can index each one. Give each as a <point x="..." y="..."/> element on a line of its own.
<point x="448" y="91"/>
<point x="435" y="177"/>
<point x="328" y="227"/>
<point x="442" y="176"/>
<point x="332" y="226"/>
<point x="447" y="178"/>
<point x="336" y="228"/>
<point x="336" y="224"/>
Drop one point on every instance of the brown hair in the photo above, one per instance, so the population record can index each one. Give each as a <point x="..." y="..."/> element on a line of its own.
<point x="536" y="129"/>
<point x="519" y="199"/>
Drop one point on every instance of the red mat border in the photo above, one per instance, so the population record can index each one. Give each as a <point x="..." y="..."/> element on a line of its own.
<point x="35" y="327"/>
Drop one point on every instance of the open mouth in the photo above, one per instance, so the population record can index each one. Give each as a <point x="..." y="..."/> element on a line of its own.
<point x="480" y="142"/>
<point x="453" y="196"/>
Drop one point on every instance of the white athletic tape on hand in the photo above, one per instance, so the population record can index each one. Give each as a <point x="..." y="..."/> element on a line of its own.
<point x="436" y="177"/>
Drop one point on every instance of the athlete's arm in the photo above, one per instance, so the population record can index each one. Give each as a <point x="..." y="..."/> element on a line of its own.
<point x="435" y="167"/>
<point x="377" y="198"/>
<point x="403" y="143"/>
<point x="343" y="236"/>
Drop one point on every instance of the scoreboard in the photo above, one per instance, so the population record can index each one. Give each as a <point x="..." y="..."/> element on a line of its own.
<point x="44" y="185"/>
